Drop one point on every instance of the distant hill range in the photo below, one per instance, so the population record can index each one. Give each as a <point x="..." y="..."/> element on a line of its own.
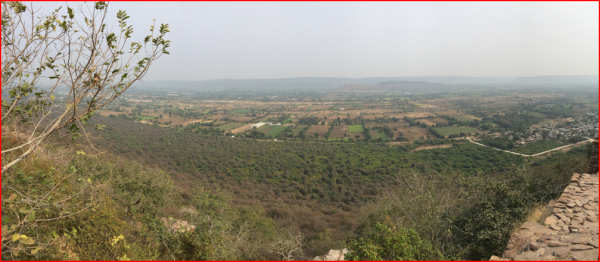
<point x="458" y="82"/>
<point x="558" y="80"/>
<point x="363" y="84"/>
<point x="394" y="86"/>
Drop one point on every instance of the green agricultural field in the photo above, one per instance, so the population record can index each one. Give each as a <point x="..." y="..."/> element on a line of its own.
<point x="264" y="128"/>
<point x="462" y="118"/>
<point x="356" y="129"/>
<point x="537" y="147"/>
<point x="230" y="126"/>
<point x="298" y="129"/>
<point x="455" y="130"/>
<point x="582" y="100"/>
<point x="146" y="117"/>
<point x="287" y="120"/>
<point x="275" y="131"/>
<point x="376" y="134"/>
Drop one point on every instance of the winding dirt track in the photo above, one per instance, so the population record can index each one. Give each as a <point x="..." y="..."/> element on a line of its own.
<point x="558" y="148"/>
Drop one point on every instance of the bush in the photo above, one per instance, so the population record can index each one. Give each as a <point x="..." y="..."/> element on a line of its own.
<point x="484" y="219"/>
<point x="576" y="139"/>
<point x="391" y="243"/>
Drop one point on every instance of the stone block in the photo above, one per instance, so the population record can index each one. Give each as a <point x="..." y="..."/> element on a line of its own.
<point x="562" y="252"/>
<point x="582" y="240"/>
<point x="588" y="255"/>
<point x="580" y="247"/>
<point x="548" y="258"/>
<point x="566" y="239"/>
<point x="551" y="220"/>
<point x="556" y="244"/>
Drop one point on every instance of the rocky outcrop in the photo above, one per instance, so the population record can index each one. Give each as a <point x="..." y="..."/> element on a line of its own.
<point x="333" y="255"/>
<point x="570" y="233"/>
<point x="178" y="225"/>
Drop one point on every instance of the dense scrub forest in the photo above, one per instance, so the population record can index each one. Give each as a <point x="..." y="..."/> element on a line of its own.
<point x="316" y="186"/>
<point x="320" y="188"/>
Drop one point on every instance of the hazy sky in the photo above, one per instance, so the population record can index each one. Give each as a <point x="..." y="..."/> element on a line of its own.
<point x="211" y="40"/>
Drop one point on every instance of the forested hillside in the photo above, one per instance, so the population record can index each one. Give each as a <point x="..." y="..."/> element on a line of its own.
<point x="318" y="187"/>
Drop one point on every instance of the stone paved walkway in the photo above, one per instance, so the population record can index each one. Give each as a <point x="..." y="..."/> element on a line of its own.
<point x="570" y="233"/>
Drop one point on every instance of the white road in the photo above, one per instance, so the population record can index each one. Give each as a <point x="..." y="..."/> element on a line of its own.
<point x="589" y="140"/>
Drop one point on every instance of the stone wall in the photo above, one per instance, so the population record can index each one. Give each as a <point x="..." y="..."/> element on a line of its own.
<point x="569" y="233"/>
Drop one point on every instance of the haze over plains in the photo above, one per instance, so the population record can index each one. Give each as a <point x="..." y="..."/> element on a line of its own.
<point x="239" y="40"/>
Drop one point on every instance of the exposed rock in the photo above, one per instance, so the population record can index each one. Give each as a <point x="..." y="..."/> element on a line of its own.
<point x="519" y="257"/>
<point x="580" y="247"/>
<point x="560" y="205"/>
<point x="516" y="244"/>
<point x="562" y="252"/>
<point x="555" y="227"/>
<point x="584" y="231"/>
<point x="582" y="240"/>
<point x="541" y="251"/>
<point x="178" y="225"/>
<point x="551" y="220"/>
<point x="588" y="255"/>
<point x="545" y="239"/>
<point x="530" y="255"/>
<point x="333" y="255"/>
<point x="577" y="221"/>
<point x="533" y="246"/>
<point x="557" y="244"/>
<point x="562" y="199"/>
<point x="495" y="258"/>
<point x="548" y="258"/>
<point x="566" y="239"/>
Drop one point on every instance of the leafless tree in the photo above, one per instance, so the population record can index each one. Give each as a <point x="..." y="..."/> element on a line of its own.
<point x="287" y="244"/>
<point x="94" y="66"/>
<point x="83" y="56"/>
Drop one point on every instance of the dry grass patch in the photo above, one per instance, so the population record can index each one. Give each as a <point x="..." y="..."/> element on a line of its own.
<point x="534" y="216"/>
<point x="109" y="112"/>
<point x="432" y="147"/>
<point x="242" y="129"/>
<point x="339" y="131"/>
<point x="439" y="121"/>
<point x="321" y="129"/>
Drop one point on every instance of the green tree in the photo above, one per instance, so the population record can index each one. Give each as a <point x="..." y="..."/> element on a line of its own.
<point x="388" y="243"/>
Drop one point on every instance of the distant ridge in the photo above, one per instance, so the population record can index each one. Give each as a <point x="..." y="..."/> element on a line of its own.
<point x="557" y="79"/>
<point x="344" y="84"/>
<point x="393" y="86"/>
